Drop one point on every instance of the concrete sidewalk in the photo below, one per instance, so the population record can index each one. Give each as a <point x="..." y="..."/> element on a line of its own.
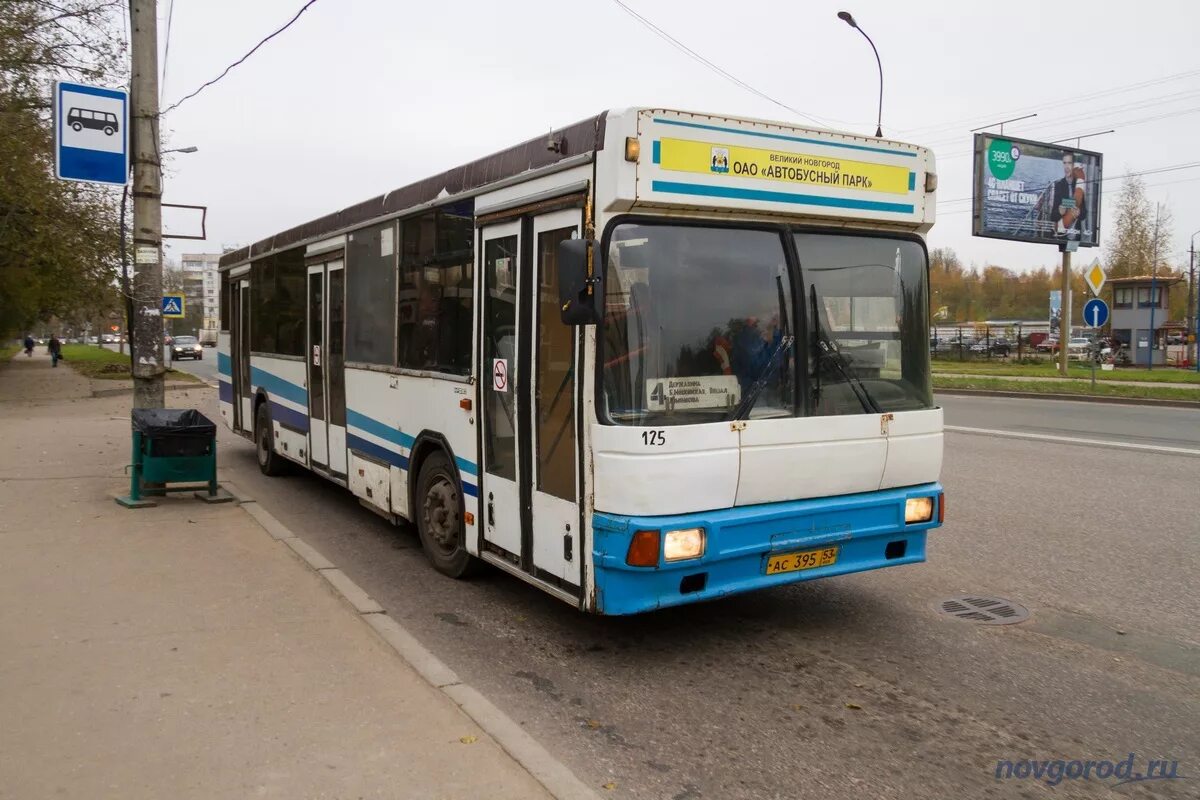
<point x="181" y="651"/>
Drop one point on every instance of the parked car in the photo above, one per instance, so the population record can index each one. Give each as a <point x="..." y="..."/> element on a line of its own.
<point x="186" y="347"/>
<point x="1047" y="345"/>
<point x="1079" y="347"/>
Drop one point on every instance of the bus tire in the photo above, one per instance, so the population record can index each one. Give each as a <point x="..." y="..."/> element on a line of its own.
<point x="439" y="518"/>
<point x="269" y="462"/>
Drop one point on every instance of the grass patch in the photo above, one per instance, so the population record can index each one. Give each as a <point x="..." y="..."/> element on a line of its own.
<point x="7" y="351"/>
<point x="1128" y="389"/>
<point x="1081" y="371"/>
<point x="100" y="362"/>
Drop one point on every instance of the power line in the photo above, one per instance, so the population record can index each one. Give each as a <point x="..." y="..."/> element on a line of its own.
<point x="1050" y="122"/>
<point x="251" y="52"/>
<point x="1107" y="178"/>
<point x="162" y="88"/>
<point x="683" y="48"/>
<point x="1057" y="101"/>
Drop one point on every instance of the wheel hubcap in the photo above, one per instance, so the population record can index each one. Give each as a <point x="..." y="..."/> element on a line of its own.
<point x="440" y="513"/>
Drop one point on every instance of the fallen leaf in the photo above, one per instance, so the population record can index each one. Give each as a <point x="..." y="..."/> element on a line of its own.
<point x="593" y="724"/>
<point x="609" y="786"/>
<point x="469" y="739"/>
<point x="854" y="706"/>
<point x="797" y="707"/>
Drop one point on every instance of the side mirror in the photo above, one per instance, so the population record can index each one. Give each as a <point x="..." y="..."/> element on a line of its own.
<point x="580" y="295"/>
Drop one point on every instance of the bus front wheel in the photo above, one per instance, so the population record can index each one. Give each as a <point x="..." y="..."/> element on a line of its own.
<point x="269" y="462"/>
<point x="439" y="518"/>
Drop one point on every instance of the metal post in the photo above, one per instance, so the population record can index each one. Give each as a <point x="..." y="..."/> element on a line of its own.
<point x="146" y="342"/>
<point x="1193" y="305"/>
<point x="1064" y="319"/>
<point x="1153" y="286"/>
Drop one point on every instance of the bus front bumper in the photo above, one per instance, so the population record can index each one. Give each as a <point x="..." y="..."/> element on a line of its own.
<point x="868" y="530"/>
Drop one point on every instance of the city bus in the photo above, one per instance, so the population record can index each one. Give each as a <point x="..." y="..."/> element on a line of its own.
<point x="653" y="358"/>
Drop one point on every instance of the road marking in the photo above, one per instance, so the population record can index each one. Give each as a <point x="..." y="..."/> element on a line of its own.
<point x="1044" y="437"/>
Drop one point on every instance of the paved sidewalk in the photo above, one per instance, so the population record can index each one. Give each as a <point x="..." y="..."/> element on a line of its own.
<point x="180" y="651"/>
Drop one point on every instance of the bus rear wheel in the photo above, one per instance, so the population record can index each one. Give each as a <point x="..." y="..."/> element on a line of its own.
<point x="269" y="462"/>
<point x="439" y="518"/>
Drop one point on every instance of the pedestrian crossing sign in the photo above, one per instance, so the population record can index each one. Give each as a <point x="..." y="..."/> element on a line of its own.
<point x="172" y="306"/>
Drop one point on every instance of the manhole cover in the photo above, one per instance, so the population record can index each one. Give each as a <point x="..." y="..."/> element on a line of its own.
<point x="984" y="610"/>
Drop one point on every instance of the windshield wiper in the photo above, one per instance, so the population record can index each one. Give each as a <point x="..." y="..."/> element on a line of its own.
<point x="751" y="397"/>
<point x="827" y="349"/>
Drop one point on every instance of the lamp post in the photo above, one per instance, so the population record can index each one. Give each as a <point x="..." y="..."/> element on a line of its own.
<point x="848" y="18"/>
<point x="188" y="149"/>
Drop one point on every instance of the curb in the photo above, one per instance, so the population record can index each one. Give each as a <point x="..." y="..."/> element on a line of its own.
<point x="167" y="387"/>
<point x="547" y="770"/>
<point x="1079" y="398"/>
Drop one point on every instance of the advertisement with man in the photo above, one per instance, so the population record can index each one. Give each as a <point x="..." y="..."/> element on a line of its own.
<point x="1036" y="192"/>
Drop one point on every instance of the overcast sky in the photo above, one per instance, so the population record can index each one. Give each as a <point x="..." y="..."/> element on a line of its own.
<point x="363" y="96"/>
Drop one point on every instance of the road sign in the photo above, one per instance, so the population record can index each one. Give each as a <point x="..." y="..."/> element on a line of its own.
<point x="1095" y="277"/>
<point x="91" y="133"/>
<point x="499" y="374"/>
<point x="1095" y="312"/>
<point x="173" y="306"/>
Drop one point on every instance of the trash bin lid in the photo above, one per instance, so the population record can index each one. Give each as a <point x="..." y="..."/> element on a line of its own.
<point x="172" y="422"/>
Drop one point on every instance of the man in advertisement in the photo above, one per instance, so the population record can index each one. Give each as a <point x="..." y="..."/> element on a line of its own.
<point x="1068" y="206"/>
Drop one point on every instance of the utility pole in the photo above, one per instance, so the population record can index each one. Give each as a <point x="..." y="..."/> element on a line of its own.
<point x="146" y="335"/>
<point x="1153" y="287"/>
<point x="1193" y="328"/>
<point x="1064" y="319"/>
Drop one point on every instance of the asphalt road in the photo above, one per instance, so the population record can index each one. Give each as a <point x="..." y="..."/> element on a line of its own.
<point x="205" y="369"/>
<point x="853" y="687"/>
<point x="1146" y="425"/>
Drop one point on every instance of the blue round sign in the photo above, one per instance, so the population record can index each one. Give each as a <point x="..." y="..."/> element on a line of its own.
<point x="1095" y="313"/>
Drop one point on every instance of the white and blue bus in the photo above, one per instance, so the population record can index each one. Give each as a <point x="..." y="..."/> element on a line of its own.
<point x="653" y="358"/>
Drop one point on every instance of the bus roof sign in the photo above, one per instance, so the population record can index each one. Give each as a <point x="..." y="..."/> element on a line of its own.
<point x="718" y="162"/>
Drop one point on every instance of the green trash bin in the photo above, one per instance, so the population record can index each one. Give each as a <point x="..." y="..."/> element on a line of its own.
<point x="171" y="446"/>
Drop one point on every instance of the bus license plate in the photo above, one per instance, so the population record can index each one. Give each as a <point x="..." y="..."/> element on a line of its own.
<point x="809" y="559"/>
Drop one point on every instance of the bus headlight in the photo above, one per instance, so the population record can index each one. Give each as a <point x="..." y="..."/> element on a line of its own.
<point x="918" y="509"/>
<point x="683" y="544"/>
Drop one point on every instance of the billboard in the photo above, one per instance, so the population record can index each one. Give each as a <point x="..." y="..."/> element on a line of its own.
<point x="1036" y="192"/>
<point x="1055" y="310"/>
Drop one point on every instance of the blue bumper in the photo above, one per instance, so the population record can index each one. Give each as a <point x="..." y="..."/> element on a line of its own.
<point x="868" y="529"/>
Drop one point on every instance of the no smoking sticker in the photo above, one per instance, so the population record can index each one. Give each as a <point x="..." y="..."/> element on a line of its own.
<point x="500" y="374"/>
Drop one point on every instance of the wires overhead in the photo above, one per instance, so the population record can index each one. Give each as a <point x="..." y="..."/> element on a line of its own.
<point x="690" y="53"/>
<point x="251" y="52"/>
<point x="162" y="84"/>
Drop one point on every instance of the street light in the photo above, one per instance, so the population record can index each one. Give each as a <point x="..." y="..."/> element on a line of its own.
<point x="190" y="149"/>
<point x="848" y="18"/>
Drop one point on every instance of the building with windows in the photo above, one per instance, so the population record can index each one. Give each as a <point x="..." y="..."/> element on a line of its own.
<point x="1139" y="315"/>
<point x="200" y="284"/>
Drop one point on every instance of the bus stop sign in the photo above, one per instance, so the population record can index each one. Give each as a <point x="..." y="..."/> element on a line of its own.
<point x="1095" y="312"/>
<point x="91" y="133"/>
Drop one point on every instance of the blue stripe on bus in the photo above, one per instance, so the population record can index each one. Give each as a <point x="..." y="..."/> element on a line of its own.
<point x="224" y="366"/>
<point x="735" y="193"/>
<point x="390" y="434"/>
<point x="225" y="391"/>
<point x="290" y="417"/>
<point x="377" y="428"/>
<point x="784" y="137"/>
<point x="278" y="386"/>
<point x="376" y="451"/>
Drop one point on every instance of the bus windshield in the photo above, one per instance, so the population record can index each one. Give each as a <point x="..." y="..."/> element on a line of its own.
<point x="700" y="325"/>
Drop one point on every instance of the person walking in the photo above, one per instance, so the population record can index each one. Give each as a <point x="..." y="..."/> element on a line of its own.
<point x="29" y="343"/>
<point x="55" y="348"/>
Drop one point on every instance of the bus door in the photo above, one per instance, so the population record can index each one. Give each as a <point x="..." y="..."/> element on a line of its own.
<point x="530" y="480"/>
<point x="325" y="356"/>
<point x="239" y="356"/>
